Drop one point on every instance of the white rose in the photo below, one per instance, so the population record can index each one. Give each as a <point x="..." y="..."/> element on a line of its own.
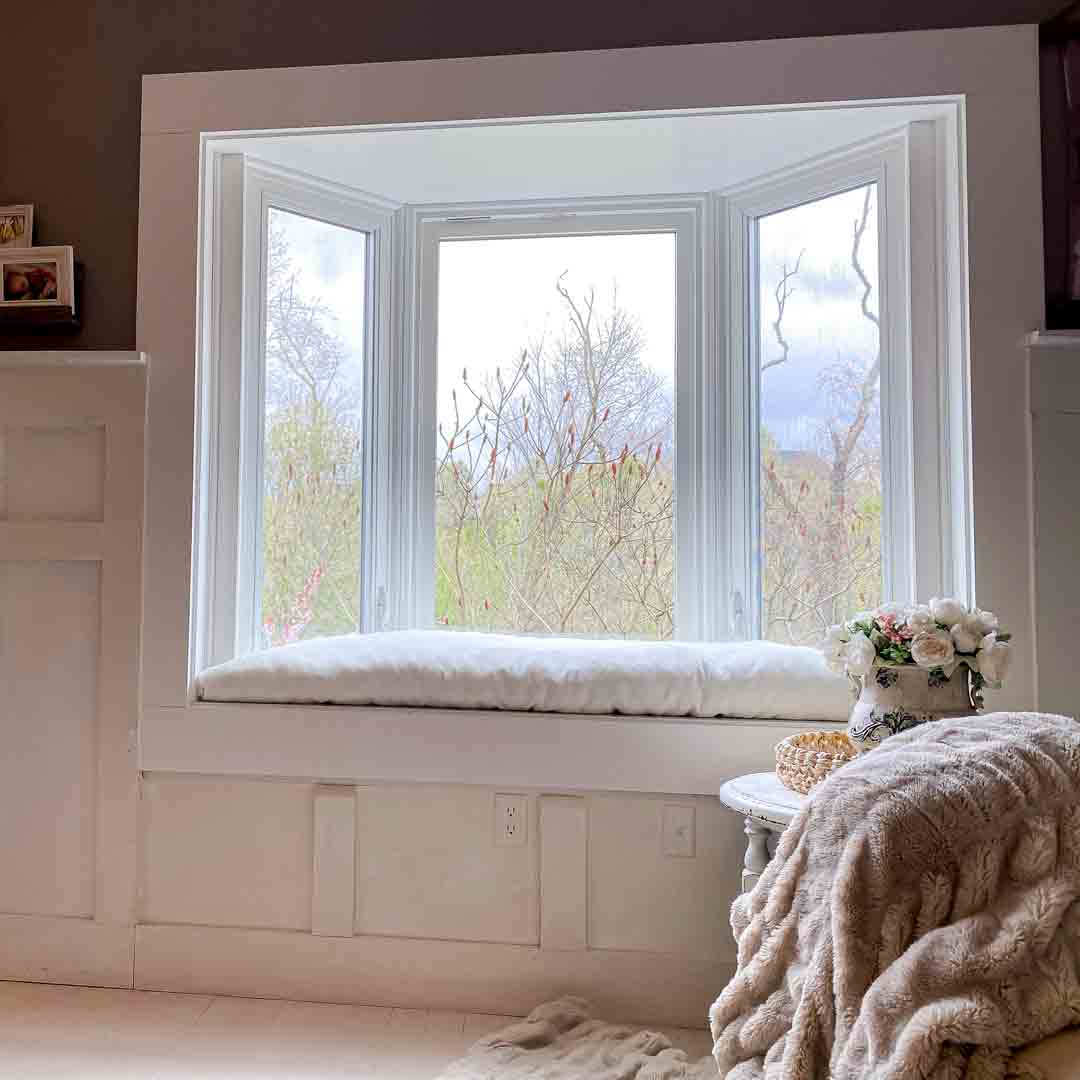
<point x="987" y="621"/>
<point x="920" y="621"/>
<point x="933" y="649"/>
<point x="994" y="659"/>
<point x="859" y="655"/>
<point x="966" y="635"/>
<point x="947" y="611"/>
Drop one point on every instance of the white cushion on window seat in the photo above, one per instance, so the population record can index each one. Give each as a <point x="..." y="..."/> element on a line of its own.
<point x="465" y="670"/>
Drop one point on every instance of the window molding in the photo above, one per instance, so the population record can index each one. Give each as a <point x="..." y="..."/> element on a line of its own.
<point x="926" y="534"/>
<point x="229" y="437"/>
<point x="925" y="444"/>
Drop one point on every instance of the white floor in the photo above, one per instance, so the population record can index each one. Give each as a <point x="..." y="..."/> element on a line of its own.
<point x="64" y="1032"/>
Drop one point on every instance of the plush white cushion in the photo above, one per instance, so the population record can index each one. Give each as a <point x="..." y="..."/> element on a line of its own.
<point x="464" y="670"/>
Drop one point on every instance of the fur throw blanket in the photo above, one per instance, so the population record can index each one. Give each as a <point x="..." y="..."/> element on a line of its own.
<point x="920" y="916"/>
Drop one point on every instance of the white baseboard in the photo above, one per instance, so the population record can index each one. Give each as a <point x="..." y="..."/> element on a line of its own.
<point x="654" y="988"/>
<point x="78" y="952"/>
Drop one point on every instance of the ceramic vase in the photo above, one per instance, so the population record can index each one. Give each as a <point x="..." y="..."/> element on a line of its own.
<point x="894" y="699"/>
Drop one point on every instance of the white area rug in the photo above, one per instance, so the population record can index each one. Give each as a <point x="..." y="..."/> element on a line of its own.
<point x="561" y="1041"/>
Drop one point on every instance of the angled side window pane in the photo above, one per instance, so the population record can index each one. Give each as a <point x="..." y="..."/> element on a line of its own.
<point x="819" y="358"/>
<point x="312" y="439"/>
<point x="555" y="462"/>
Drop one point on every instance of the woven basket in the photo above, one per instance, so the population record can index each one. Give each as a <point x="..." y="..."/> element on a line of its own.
<point x="805" y="759"/>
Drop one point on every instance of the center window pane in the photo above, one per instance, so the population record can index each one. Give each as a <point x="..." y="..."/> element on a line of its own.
<point x="820" y="371"/>
<point x="554" y="497"/>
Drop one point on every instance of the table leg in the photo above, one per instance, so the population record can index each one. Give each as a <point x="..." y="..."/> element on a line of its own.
<point x="757" y="852"/>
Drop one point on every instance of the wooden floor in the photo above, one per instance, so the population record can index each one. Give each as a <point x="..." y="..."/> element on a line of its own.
<point x="63" y="1032"/>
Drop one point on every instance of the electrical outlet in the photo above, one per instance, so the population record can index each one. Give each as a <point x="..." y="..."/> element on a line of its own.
<point x="511" y="820"/>
<point x="679" y="830"/>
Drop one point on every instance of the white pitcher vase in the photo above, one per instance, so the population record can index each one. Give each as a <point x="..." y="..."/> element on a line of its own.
<point x="894" y="699"/>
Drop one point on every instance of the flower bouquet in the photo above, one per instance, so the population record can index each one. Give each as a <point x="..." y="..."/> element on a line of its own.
<point x="912" y="663"/>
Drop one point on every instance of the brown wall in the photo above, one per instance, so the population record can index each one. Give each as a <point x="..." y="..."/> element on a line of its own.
<point x="69" y="105"/>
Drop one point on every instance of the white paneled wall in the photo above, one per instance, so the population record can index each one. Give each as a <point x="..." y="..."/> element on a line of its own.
<point x="71" y="476"/>
<point x="410" y="901"/>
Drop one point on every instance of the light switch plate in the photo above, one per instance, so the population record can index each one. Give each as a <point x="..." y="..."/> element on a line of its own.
<point x="679" y="837"/>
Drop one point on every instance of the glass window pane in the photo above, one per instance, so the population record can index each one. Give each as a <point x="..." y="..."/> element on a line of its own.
<point x="820" y="364"/>
<point x="555" y="446"/>
<point x="315" y="327"/>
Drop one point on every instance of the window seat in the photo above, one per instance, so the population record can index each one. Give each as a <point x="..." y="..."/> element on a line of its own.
<point x="438" y="670"/>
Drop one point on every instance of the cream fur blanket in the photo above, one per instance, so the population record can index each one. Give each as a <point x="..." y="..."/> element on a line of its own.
<point x="920" y="916"/>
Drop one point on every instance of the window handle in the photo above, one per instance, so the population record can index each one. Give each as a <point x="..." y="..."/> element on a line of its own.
<point x="380" y="608"/>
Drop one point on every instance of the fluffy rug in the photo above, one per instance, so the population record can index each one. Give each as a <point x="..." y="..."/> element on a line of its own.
<point x="561" y="1041"/>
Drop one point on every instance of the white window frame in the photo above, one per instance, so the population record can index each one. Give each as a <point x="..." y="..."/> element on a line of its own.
<point x="883" y="164"/>
<point x="924" y="421"/>
<point x="685" y="217"/>
<point x="925" y="416"/>
<point x="228" y="575"/>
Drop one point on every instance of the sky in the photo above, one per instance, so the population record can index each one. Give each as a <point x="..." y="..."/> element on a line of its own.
<point x="498" y="296"/>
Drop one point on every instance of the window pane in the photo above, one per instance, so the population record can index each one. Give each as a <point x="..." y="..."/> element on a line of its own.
<point x="555" y="446"/>
<point x="820" y="366"/>
<point x="315" y="327"/>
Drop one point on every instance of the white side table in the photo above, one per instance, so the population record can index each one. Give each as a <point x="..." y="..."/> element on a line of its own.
<point x="767" y="806"/>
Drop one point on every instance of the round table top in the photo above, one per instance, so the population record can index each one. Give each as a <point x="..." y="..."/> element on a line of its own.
<point x="762" y="796"/>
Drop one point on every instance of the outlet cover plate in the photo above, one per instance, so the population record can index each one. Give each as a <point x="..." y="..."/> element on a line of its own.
<point x="511" y="820"/>
<point x="679" y="830"/>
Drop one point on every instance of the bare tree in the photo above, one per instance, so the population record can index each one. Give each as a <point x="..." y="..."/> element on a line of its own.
<point x="821" y="548"/>
<point x="311" y="475"/>
<point x="555" y="501"/>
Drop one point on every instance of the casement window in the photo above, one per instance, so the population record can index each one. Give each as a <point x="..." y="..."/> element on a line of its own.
<point x="715" y="415"/>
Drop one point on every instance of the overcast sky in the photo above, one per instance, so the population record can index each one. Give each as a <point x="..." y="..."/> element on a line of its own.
<point x="498" y="296"/>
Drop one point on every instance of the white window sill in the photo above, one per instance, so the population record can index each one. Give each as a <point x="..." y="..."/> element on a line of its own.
<point x="553" y="751"/>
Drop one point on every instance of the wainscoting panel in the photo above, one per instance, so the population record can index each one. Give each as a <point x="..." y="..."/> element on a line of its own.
<point x="641" y="898"/>
<point x="428" y="866"/>
<point x="227" y="852"/>
<point x="50" y="622"/>
<point x="71" y="486"/>
<point x="52" y="473"/>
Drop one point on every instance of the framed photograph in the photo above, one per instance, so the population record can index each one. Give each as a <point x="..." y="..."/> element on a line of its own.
<point x="16" y="226"/>
<point x="37" y="277"/>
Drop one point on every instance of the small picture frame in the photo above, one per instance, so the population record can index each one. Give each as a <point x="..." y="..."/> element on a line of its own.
<point x="16" y="226"/>
<point x="37" y="277"/>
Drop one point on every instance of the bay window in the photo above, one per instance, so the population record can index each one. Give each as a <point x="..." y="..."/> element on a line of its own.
<point x="666" y="416"/>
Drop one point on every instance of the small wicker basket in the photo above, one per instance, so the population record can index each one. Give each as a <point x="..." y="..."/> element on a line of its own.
<point x="805" y="759"/>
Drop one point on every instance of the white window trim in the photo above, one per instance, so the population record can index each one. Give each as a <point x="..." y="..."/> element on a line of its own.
<point x="884" y="163"/>
<point x="926" y="440"/>
<point x="228" y="508"/>
<point x="685" y="217"/>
